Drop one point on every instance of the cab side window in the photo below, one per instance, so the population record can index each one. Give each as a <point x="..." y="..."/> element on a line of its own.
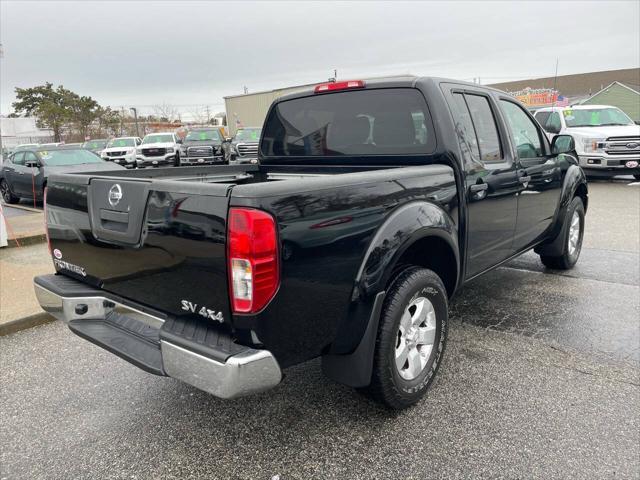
<point x="30" y="157"/>
<point x="486" y="130"/>
<point x="18" y="158"/>
<point x="476" y="128"/>
<point x="524" y="132"/>
<point x="542" y="118"/>
<point x="464" y="127"/>
<point x="553" y="123"/>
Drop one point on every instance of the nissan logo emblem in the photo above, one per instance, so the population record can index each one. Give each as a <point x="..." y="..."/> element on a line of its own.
<point x="115" y="195"/>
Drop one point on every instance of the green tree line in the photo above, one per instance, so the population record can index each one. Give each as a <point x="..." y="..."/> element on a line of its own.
<point x="62" y="111"/>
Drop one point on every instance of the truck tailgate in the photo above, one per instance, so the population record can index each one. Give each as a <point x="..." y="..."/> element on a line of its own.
<point x="158" y="243"/>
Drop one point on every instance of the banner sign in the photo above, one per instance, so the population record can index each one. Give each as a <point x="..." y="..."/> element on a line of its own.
<point x="540" y="97"/>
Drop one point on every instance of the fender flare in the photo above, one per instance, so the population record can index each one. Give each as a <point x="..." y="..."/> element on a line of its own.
<point x="574" y="179"/>
<point x="405" y="226"/>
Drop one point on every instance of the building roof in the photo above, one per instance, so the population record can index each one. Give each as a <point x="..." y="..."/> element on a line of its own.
<point x="269" y="91"/>
<point x="576" y="84"/>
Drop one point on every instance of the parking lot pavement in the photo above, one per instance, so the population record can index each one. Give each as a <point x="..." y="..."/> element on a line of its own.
<point x="18" y="266"/>
<point x="541" y="379"/>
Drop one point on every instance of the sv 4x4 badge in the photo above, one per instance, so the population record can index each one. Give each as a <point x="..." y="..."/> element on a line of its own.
<point x="205" y="312"/>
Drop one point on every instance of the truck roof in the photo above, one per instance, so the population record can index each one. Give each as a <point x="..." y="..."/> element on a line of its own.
<point x="408" y="81"/>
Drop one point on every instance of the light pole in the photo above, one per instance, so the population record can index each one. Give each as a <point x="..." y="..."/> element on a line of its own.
<point x="135" y="116"/>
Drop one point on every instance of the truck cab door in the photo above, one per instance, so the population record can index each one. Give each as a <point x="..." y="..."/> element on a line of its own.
<point x="539" y="174"/>
<point x="491" y="180"/>
<point x="26" y="178"/>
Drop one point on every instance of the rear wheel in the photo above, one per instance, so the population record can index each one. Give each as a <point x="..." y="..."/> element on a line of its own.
<point x="7" y="196"/>
<point x="411" y="338"/>
<point x="572" y="241"/>
<point x="176" y="161"/>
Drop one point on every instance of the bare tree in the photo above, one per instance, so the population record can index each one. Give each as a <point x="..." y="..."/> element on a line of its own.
<point x="166" y="112"/>
<point x="199" y="115"/>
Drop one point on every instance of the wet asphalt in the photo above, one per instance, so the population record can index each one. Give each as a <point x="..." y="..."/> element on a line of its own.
<point x="541" y="379"/>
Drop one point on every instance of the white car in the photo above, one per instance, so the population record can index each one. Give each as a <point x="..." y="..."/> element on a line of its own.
<point x="122" y="150"/>
<point x="607" y="141"/>
<point x="158" y="149"/>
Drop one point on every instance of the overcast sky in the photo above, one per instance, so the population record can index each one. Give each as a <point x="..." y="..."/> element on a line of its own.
<point x="191" y="54"/>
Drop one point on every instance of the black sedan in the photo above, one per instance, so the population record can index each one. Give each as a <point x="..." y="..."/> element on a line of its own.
<point x="24" y="174"/>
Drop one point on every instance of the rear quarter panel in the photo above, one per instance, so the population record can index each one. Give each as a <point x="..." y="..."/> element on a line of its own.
<point x="326" y="226"/>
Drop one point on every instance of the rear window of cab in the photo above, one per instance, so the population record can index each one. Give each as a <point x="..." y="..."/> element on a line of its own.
<point x="390" y="121"/>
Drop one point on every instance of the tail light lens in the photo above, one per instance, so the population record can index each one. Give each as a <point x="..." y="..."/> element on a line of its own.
<point x="334" y="86"/>
<point x="252" y="253"/>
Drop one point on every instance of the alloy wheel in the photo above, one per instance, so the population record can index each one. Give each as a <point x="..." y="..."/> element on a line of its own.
<point x="574" y="234"/>
<point x="416" y="336"/>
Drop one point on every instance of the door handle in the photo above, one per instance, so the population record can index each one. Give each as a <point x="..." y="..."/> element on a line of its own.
<point x="478" y="191"/>
<point x="524" y="179"/>
<point x="479" y="187"/>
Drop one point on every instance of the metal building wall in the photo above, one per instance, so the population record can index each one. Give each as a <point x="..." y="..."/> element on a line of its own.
<point x="251" y="109"/>
<point x="619" y="96"/>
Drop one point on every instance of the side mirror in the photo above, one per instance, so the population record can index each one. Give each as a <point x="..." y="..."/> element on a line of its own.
<point x="179" y="141"/>
<point x="552" y="128"/>
<point x="562" y="144"/>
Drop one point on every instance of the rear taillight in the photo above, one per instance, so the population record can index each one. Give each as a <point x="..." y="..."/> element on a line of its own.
<point x="333" y="86"/>
<point x="46" y="228"/>
<point x="252" y="253"/>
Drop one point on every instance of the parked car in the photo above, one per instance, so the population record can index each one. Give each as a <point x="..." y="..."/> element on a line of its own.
<point x="122" y="150"/>
<point x="244" y="146"/>
<point x="607" y="140"/>
<point x="203" y="146"/>
<point x="396" y="192"/>
<point x="96" y="146"/>
<point x="159" y="149"/>
<point x="25" y="174"/>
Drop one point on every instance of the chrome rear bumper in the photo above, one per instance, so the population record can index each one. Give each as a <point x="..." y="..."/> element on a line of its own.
<point x="247" y="371"/>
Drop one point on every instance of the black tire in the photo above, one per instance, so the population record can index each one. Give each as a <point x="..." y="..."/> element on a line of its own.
<point x="7" y="196"/>
<point x="387" y="383"/>
<point x="569" y="256"/>
<point x="637" y="177"/>
<point x="176" y="160"/>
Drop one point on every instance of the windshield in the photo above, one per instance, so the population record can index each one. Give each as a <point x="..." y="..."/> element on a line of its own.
<point x="166" y="138"/>
<point x="203" y="135"/>
<point x="248" y="135"/>
<point x="121" y="142"/>
<point x="68" y="157"/>
<point x="596" y="117"/>
<point x="95" y="144"/>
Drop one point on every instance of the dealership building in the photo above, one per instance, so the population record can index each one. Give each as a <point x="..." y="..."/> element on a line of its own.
<point x="620" y="88"/>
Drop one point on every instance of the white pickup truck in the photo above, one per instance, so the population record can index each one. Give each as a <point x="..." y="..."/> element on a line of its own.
<point x="122" y="150"/>
<point x="158" y="149"/>
<point x="607" y="141"/>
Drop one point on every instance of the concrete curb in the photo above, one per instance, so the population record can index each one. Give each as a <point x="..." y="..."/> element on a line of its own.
<point x="22" y="207"/>
<point x="23" y="323"/>
<point x="26" y="240"/>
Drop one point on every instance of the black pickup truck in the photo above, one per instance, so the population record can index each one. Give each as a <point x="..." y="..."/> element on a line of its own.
<point x="373" y="203"/>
